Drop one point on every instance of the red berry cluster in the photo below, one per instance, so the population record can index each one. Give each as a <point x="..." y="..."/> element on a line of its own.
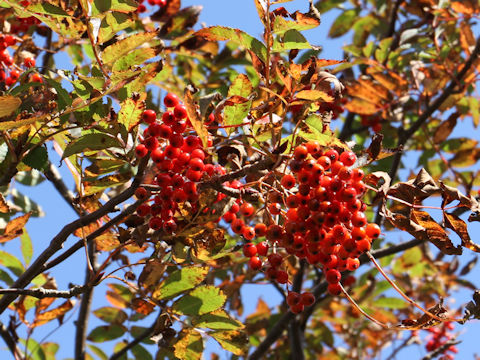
<point x="181" y="163"/>
<point x="320" y="217"/>
<point x="142" y="8"/>
<point x="21" y="25"/>
<point x="297" y="302"/>
<point x="438" y="337"/>
<point x="372" y="121"/>
<point x="9" y="71"/>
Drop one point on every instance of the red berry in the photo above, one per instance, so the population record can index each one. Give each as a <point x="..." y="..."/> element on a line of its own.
<point x="247" y="209"/>
<point x="237" y="226"/>
<point x="180" y="111"/>
<point x="141" y="151"/>
<point x="282" y="277"/>
<point x="248" y="233"/>
<point x="333" y="276"/>
<point x="275" y="260"/>
<point x="171" y="100"/>
<point x="262" y="247"/>
<point x="372" y="230"/>
<point x="255" y="263"/>
<point x="29" y="62"/>
<point x="142" y="194"/>
<point x="293" y="298"/>
<point x="249" y="250"/>
<point x="307" y="298"/>
<point x="288" y="181"/>
<point x="260" y="228"/>
<point x="334" y="289"/>
<point x="297" y="309"/>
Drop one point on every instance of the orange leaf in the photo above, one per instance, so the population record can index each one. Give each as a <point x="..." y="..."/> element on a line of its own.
<point x="143" y="307"/>
<point x="3" y="205"/>
<point x="463" y="7"/>
<point x="391" y="80"/>
<point x="362" y="107"/>
<point x="314" y="95"/>
<point x="453" y="222"/>
<point x="14" y="228"/>
<point x="194" y="117"/>
<point x="57" y="313"/>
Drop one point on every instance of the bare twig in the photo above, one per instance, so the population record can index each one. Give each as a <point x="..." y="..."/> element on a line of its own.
<point x="41" y="293"/>
<point x="54" y="177"/>
<point x="10" y="341"/>
<point x="143" y="335"/>
<point x="441" y="349"/>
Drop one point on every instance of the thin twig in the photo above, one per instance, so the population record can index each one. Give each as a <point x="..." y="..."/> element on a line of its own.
<point x="55" y="178"/>
<point x="10" y="341"/>
<point x="41" y="293"/>
<point x="441" y="349"/>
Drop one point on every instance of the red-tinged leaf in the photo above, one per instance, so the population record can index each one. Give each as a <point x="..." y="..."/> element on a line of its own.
<point x="443" y="131"/>
<point x="142" y="306"/>
<point x="56" y="313"/>
<point x="314" y="95"/>
<point x="362" y="107"/>
<point x="220" y="33"/>
<point x="467" y="39"/>
<point x="194" y="116"/>
<point x="326" y="62"/>
<point x="302" y="22"/>
<point x="14" y="228"/>
<point x="367" y="90"/>
<point x="453" y="222"/>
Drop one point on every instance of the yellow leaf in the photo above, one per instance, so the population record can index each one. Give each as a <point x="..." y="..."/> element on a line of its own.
<point x="47" y="316"/>
<point x="8" y="104"/>
<point x="14" y="228"/>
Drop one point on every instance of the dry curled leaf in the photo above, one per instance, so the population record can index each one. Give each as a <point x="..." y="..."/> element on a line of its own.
<point x="453" y="222"/>
<point x="425" y="321"/>
<point x="14" y="228"/>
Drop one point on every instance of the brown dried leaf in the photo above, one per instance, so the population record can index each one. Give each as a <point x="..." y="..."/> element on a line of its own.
<point x="445" y="128"/>
<point x="425" y="321"/>
<point x="417" y="189"/>
<point x="374" y="179"/>
<point x="453" y="222"/>
<point x="14" y="228"/>
<point x="57" y="313"/>
<point x="193" y="115"/>
<point x="152" y="273"/>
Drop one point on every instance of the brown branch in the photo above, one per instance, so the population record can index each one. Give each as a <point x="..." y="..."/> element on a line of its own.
<point x="441" y="349"/>
<point x="41" y="293"/>
<point x="57" y="242"/>
<point x="144" y="334"/>
<point x="277" y="329"/>
<point x="80" y="243"/>
<point x="54" y="177"/>
<point x="11" y="342"/>
<point x="85" y="306"/>
<point x="393" y="19"/>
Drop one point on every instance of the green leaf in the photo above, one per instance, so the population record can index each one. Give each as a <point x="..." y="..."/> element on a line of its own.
<point x="106" y="333"/>
<point x="29" y="178"/>
<point x="180" y="281"/>
<point x="26" y="246"/>
<point x="63" y="98"/>
<point x="137" y="331"/>
<point x="217" y="320"/>
<point x="220" y="33"/>
<point x="281" y="25"/>
<point x="136" y="57"/>
<point x="141" y="353"/>
<point x="291" y="40"/>
<point x="93" y="187"/>
<point x="97" y="351"/>
<point x="327" y="138"/>
<point x="5" y="277"/>
<point x="234" y="114"/>
<point x="189" y="345"/>
<point x="200" y="300"/>
<point x="327" y="5"/>
<point x="343" y="23"/>
<point x="11" y="262"/>
<point x="390" y="303"/>
<point x="50" y="350"/>
<point x="111" y="315"/>
<point x="234" y="341"/>
<point x="37" y="158"/>
<point x="96" y="141"/>
<point x="124" y="46"/>
<point x="112" y="23"/>
<point x="26" y="204"/>
<point x="35" y="350"/>
<point x="383" y="49"/>
<point x="47" y="9"/>
<point x="101" y="6"/>
<point x="130" y="114"/>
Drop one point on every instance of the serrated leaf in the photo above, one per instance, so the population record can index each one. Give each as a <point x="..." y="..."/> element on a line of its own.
<point x="130" y="114"/>
<point x="235" y="114"/>
<point x="102" y="6"/>
<point x="290" y="41"/>
<point x="136" y="57"/>
<point x="26" y="204"/>
<point x="189" y="345"/>
<point x="26" y="247"/>
<point x="325" y="138"/>
<point x="217" y="320"/>
<point x="199" y="301"/>
<point x="343" y="23"/>
<point x="111" y="315"/>
<point x="281" y="25"/>
<point x="14" y="228"/>
<point x="95" y="141"/>
<point x="11" y="262"/>
<point x="106" y="333"/>
<point x="8" y="104"/>
<point x="234" y="341"/>
<point x="220" y="33"/>
<point x="390" y="303"/>
<point x="30" y="178"/>
<point x="124" y="46"/>
<point x="180" y="281"/>
<point x="112" y="23"/>
<point x="47" y="9"/>
<point x="37" y="158"/>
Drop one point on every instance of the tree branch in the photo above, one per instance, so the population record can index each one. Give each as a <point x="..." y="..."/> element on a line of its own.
<point x="54" y="177"/>
<point x="441" y="349"/>
<point x="11" y="342"/>
<point x="146" y="333"/>
<point x="41" y="293"/>
<point x="277" y="329"/>
<point x="57" y="242"/>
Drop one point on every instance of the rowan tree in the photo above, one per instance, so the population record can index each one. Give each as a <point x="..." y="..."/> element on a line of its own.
<point x="205" y="159"/>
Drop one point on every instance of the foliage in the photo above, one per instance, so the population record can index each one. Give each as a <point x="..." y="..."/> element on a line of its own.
<point x="172" y="238"/>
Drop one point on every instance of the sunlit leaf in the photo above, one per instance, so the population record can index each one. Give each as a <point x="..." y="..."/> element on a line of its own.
<point x="234" y="341"/>
<point x="189" y="345"/>
<point x="8" y="104"/>
<point x="391" y="303"/>
<point x="180" y="281"/>
<point x="124" y="46"/>
<point x="199" y="301"/>
<point x="56" y="313"/>
<point x="111" y="315"/>
<point x="95" y="141"/>
<point x="14" y="228"/>
<point x="217" y="320"/>
<point x="11" y="262"/>
<point x="106" y="333"/>
<point x="236" y="113"/>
